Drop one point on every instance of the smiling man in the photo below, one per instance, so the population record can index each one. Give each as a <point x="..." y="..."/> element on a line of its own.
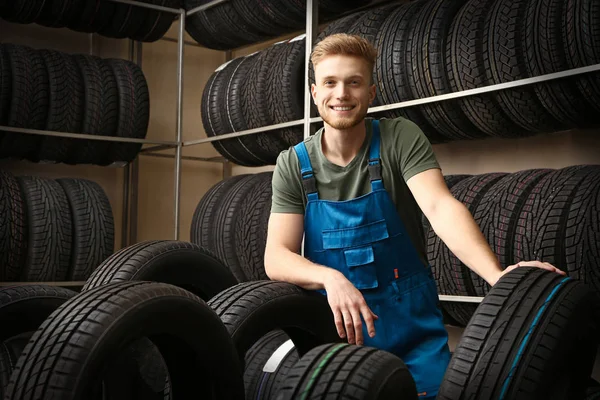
<point x="354" y="190"/>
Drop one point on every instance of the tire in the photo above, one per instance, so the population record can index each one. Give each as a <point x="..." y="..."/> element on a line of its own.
<point x="49" y="230"/>
<point x="534" y="336"/>
<point x="86" y="335"/>
<point x="21" y="11"/>
<point x="251" y="230"/>
<point x="561" y="213"/>
<point x="465" y="69"/>
<point x="5" y="86"/>
<point x="100" y="110"/>
<point x="65" y="113"/>
<point x="203" y="220"/>
<point x="182" y="264"/>
<point x="134" y="110"/>
<point x="13" y="229"/>
<point x="58" y="13"/>
<point x="426" y="69"/>
<point x="497" y="216"/>
<point x="580" y="32"/>
<point x="267" y="364"/>
<point x="226" y="224"/>
<point x="22" y="310"/>
<point x="348" y="371"/>
<point x="93" y="226"/>
<point x="29" y="102"/>
<point x="250" y="310"/>
<point x="452" y="276"/>
<point x="502" y="41"/>
<point x="156" y="23"/>
<point x="93" y="16"/>
<point x="544" y="54"/>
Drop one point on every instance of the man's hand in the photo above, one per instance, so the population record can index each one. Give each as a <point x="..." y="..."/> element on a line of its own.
<point x="347" y="304"/>
<point x="538" y="264"/>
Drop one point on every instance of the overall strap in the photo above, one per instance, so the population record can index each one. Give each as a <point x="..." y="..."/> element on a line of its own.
<point x="306" y="171"/>
<point x="374" y="158"/>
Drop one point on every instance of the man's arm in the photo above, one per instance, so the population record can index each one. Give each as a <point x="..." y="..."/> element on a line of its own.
<point x="282" y="259"/>
<point x="454" y="224"/>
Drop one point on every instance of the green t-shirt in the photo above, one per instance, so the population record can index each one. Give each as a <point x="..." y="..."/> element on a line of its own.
<point x="405" y="152"/>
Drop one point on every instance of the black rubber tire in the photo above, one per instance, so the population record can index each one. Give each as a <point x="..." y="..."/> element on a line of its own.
<point x="251" y="230"/>
<point x="227" y="223"/>
<point x="22" y="310"/>
<point x="255" y="102"/>
<point x="201" y="232"/>
<point x="268" y="17"/>
<point x="10" y="351"/>
<point x="65" y="113"/>
<point x="13" y="228"/>
<point x="182" y="264"/>
<point x="503" y="43"/>
<point x="93" y="226"/>
<point x="497" y="215"/>
<point x="580" y="23"/>
<point x="156" y="23"/>
<point x="125" y="21"/>
<point x="559" y="219"/>
<point x="533" y="337"/>
<point x="21" y="11"/>
<point x="236" y="120"/>
<point x="426" y="69"/>
<point x="452" y="276"/>
<point x="285" y="97"/>
<point x="49" y="230"/>
<point x="86" y="335"/>
<point x="93" y="16"/>
<point x="5" y="86"/>
<point x="29" y="102"/>
<point x="134" y="109"/>
<point x="267" y="364"/>
<point x="465" y="68"/>
<point x="100" y="110"/>
<point x="250" y="310"/>
<point x="544" y="54"/>
<point x="348" y="371"/>
<point x="58" y="13"/>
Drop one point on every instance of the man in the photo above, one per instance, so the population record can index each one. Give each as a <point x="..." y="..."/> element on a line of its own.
<point x="354" y="190"/>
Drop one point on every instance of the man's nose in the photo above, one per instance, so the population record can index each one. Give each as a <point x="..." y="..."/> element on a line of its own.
<point x="341" y="91"/>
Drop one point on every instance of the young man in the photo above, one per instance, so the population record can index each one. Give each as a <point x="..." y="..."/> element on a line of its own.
<point x="354" y="190"/>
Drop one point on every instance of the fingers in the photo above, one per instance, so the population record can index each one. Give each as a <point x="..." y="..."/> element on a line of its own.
<point x="539" y="264"/>
<point x="339" y="323"/>
<point x="349" y="325"/>
<point x="358" y="334"/>
<point x="369" y="318"/>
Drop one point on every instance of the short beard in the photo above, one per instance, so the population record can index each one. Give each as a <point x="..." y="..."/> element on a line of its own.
<point x="344" y="123"/>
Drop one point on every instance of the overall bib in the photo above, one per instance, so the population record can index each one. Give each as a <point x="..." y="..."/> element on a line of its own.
<point x="365" y="239"/>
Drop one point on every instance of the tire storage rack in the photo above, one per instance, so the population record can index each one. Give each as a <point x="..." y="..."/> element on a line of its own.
<point x="307" y="122"/>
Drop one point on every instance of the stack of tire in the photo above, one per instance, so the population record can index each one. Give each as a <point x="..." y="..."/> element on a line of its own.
<point x="549" y="215"/>
<point x="231" y="221"/>
<point x="263" y="88"/>
<point x="54" y="91"/>
<point x="52" y="230"/>
<point x="435" y="47"/>
<point x="271" y="340"/>
<point x="107" y="18"/>
<point x="237" y="23"/>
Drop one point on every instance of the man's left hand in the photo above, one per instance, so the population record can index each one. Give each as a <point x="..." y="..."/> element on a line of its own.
<point x="538" y="264"/>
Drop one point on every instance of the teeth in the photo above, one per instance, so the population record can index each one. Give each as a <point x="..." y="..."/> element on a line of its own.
<point x="342" y="108"/>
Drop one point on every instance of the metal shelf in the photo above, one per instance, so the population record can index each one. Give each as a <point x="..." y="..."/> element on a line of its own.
<point x="409" y="103"/>
<point x="460" y="299"/>
<point x="177" y="11"/>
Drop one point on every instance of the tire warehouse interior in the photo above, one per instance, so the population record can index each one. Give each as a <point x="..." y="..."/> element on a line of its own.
<point x="138" y="150"/>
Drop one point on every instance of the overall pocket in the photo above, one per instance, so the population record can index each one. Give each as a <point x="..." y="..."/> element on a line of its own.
<point x="361" y="267"/>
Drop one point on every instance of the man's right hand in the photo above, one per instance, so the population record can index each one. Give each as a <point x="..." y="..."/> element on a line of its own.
<point x="348" y="304"/>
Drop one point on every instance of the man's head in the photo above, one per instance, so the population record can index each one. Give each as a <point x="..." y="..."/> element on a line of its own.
<point x="343" y="88"/>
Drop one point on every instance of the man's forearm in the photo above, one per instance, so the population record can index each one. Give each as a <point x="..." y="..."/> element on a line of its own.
<point x="282" y="264"/>
<point x="455" y="225"/>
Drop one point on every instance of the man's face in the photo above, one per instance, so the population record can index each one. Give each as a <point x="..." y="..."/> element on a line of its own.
<point x="342" y="90"/>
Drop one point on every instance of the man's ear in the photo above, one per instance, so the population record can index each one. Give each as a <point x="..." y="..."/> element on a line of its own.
<point x="372" y="92"/>
<point x="313" y="91"/>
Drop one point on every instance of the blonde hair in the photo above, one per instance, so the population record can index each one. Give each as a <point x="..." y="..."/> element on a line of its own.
<point x="346" y="45"/>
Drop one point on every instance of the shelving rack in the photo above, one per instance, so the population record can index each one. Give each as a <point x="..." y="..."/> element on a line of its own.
<point x="130" y="184"/>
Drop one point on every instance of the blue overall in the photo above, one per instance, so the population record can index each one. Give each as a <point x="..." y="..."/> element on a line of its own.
<point x="365" y="239"/>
